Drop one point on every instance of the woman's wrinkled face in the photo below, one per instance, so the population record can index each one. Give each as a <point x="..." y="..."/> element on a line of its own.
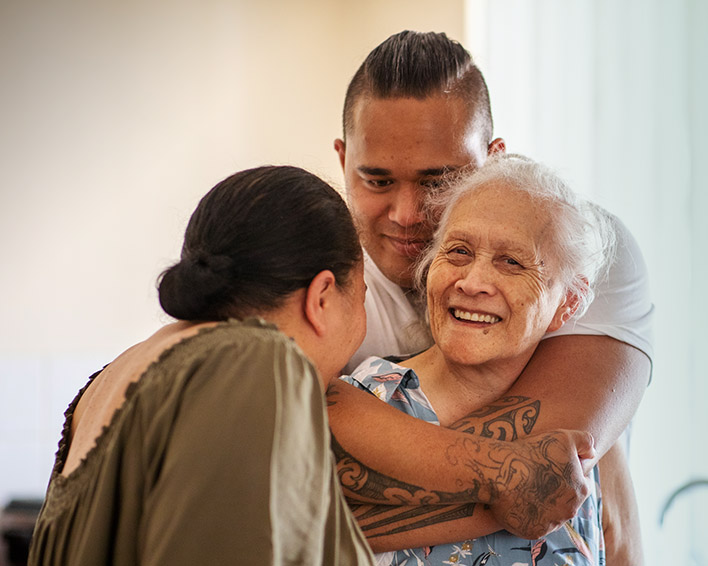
<point x="491" y="288"/>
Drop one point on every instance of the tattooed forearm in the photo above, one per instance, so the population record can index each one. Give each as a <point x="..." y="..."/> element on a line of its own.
<point x="506" y="419"/>
<point x="532" y="484"/>
<point x="529" y="485"/>
<point x="364" y="484"/>
<point x="377" y="520"/>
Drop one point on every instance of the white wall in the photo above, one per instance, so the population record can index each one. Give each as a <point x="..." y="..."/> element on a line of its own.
<point x="115" y="117"/>
<point x="613" y="95"/>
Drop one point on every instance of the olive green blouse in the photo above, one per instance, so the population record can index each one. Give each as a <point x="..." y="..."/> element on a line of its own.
<point x="219" y="455"/>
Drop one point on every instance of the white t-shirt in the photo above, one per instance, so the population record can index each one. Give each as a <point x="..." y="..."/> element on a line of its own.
<point x="622" y="308"/>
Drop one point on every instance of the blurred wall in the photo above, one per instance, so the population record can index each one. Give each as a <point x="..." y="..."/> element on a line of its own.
<point x="613" y="95"/>
<point x="115" y="118"/>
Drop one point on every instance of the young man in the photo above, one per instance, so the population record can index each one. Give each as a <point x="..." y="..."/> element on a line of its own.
<point x="416" y="110"/>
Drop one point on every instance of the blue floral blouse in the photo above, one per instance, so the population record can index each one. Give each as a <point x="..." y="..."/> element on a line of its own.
<point x="578" y="543"/>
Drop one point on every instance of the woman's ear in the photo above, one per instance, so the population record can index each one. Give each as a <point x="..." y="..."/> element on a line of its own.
<point x="317" y="300"/>
<point x="566" y="309"/>
<point x="498" y="145"/>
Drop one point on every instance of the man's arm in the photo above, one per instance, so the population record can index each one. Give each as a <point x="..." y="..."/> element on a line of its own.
<point x="393" y="528"/>
<point x="561" y="373"/>
<point x="390" y="526"/>
<point x="532" y="486"/>
<point x="590" y="383"/>
<point x="610" y="390"/>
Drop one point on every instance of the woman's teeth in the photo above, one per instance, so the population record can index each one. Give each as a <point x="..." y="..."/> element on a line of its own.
<point x="475" y="317"/>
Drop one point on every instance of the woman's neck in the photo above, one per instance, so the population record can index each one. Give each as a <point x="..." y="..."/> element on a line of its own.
<point x="456" y="389"/>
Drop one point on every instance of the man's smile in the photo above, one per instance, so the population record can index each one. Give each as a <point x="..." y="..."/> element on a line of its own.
<point x="409" y="247"/>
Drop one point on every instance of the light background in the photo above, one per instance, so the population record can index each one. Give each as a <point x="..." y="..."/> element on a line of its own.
<point x="116" y="117"/>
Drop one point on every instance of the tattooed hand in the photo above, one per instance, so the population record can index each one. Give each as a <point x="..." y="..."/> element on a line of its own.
<point x="541" y="484"/>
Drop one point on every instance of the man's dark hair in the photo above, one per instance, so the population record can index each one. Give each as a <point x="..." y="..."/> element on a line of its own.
<point x="417" y="65"/>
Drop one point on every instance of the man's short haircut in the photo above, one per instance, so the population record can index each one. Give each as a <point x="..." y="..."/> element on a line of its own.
<point x="417" y="65"/>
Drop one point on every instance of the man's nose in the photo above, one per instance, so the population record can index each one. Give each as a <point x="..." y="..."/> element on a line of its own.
<point x="407" y="206"/>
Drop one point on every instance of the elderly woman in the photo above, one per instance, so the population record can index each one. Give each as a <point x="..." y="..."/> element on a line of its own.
<point x="515" y="256"/>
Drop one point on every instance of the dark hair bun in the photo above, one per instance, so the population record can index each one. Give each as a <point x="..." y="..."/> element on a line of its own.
<point x="196" y="287"/>
<point x="254" y="239"/>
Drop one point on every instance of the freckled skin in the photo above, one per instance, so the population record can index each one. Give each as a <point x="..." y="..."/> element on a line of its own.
<point x="494" y="259"/>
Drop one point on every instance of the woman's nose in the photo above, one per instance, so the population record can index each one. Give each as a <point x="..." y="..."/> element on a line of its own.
<point x="479" y="277"/>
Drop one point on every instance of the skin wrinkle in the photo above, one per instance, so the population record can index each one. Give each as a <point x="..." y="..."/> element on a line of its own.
<point x="531" y="272"/>
<point x="540" y="214"/>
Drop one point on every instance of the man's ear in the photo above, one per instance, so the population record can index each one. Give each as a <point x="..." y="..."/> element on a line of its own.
<point x="567" y="309"/>
<point x="498" y="145"/>
<point x="340" y="147"/>
<point x="317" y="300"/>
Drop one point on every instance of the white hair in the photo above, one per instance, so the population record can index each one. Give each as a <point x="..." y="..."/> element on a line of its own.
<point x="583" y="240"/>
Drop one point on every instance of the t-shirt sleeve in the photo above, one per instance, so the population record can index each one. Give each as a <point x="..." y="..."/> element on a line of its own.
<point x="622" y="308"/>
<point x="246" y="472"/>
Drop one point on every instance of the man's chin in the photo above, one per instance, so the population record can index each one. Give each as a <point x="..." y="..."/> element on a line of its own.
<point x="401" y="273"/>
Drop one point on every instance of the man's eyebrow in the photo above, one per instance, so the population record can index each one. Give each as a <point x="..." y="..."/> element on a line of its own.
<point x="438" y="171"/>
<point x="375" y="171"/>
<point x="430" y="172"/>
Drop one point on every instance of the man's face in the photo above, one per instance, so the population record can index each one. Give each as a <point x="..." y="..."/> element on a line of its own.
<point x="396" y="150"/>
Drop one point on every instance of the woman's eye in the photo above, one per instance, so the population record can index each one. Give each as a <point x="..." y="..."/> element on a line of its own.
<point x="459" y="255"/>
<point x="511" y="261"/>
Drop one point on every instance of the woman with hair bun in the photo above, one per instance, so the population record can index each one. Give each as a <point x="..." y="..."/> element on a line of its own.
<point x="208" y="442"/>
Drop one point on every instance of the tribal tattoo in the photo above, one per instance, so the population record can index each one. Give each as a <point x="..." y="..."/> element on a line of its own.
<point x="364" y="484"/>
<point x="380" y="520"/>
<point x="526" y="481"/>
<point x="506" y="419"/>
<point x="394" y="506"/>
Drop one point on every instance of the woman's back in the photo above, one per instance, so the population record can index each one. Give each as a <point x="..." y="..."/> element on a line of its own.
<point x="105" y="393"/>
<point x="224" y="438"/>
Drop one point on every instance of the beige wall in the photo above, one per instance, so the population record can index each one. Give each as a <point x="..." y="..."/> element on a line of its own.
<point x="118" y="116"/>
<point x="115" y="117"/>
